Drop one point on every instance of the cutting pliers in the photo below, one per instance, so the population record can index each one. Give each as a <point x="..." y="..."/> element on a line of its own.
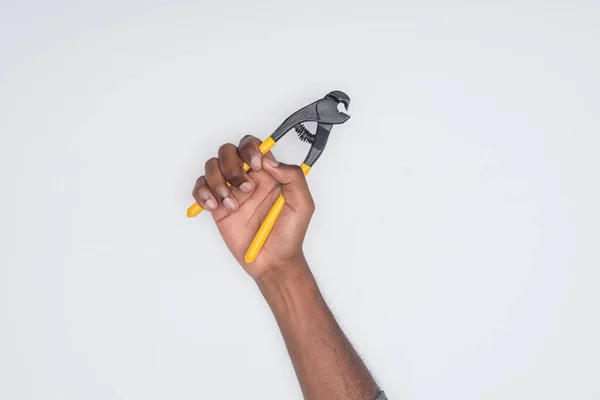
<point x="326" y="112"/>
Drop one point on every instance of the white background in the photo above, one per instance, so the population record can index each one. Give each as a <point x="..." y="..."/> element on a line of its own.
<point x="457" y="228"/>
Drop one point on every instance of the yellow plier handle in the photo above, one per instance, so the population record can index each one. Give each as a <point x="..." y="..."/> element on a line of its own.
<point x="265" y="146"/>
<point x="265" y="228"/>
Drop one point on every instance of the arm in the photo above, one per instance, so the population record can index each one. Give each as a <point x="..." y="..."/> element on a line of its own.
<point x="325" y="362"/>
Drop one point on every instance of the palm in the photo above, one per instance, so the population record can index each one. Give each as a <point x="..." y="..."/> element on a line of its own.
<point x="238" y="228"/>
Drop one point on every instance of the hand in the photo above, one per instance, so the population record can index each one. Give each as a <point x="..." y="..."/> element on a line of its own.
<point x="239" y="210"/>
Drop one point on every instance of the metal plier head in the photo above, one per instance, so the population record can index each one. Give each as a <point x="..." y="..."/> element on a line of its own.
<point x="326" y="113"/>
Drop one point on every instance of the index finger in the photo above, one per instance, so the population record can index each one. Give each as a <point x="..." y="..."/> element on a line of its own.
<point x="249" y="151"/>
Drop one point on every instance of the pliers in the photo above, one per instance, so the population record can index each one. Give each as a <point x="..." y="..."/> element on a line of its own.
<point x="326" y="112"/>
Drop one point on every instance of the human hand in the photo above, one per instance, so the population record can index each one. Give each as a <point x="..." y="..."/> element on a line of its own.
<point x="240" y="209"/>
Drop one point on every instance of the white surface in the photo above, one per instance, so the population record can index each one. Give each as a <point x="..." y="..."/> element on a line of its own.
<point x="456" y="234"/>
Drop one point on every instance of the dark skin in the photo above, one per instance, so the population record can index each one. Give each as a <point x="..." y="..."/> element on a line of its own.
<point x="325" y="362"/>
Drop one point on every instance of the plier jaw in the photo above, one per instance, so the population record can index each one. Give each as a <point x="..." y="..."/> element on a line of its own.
<point x="340" y="97"/>
<point x="326" y="113"/>
<point x="322" y="111"/>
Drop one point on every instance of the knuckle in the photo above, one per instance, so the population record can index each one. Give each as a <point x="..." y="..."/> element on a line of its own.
<point x="248" y="149"/>
<point x="226" y="147"/>
<point x="211" y="163"/>
<point x="234" y="173"/>
<point x="249" y="144"/>
<point x="233" y="177"/>
<point x="249" y="139"/>
<point x="200" y="182"/>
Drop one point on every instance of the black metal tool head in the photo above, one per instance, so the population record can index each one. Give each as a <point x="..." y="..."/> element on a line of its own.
<point x="340" y="97"/>
<point x="330" y="113"/>
<point x="322" y="111"/>
<point x="328" y="108"/>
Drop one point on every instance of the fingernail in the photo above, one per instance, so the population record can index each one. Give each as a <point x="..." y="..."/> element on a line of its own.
<point x="210" y="204"/>
<point x="255" y="163"/>
<point x="230" y="204"/>
<point x="246" y="187"/>
<point x="272" y="161"/>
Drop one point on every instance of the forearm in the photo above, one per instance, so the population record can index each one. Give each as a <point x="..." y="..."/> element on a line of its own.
<point x="326" y="364"/>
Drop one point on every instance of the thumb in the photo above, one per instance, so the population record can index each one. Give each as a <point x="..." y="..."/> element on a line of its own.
<point x="293" y="184"/>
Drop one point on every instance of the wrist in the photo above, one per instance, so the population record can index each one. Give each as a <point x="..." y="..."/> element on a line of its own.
<point x="284" y="273"/>
<point x="286" y="288"/>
